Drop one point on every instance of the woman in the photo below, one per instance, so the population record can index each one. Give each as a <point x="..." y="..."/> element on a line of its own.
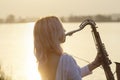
<point x="53" y="63"/>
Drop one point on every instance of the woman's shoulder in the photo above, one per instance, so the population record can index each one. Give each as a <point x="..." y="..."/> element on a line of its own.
<point x="67" y="58"/>
<point x="66" y="55"/>
<point x="66" y="64"/>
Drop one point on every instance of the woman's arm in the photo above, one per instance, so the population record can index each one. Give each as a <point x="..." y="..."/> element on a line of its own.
<point x="96" y="63"/>
<point x="93" y="65"/>
<point x="86" y="70"/>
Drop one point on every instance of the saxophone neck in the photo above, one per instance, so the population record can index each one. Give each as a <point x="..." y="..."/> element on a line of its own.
<point x="82" y="25"/>
<point x="87" y="22"/>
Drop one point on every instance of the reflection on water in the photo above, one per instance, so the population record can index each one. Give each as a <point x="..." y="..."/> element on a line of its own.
<point x="16" y="48"/>
<point x="17" y="51"/>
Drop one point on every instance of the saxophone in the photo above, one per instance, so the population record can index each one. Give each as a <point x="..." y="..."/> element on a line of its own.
<point x="99" y="46"/>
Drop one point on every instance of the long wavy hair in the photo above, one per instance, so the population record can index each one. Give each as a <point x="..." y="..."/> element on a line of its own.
<point x="48" y="34"/>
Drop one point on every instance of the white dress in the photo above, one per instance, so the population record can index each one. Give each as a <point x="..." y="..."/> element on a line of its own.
<point x="69" y="70"/>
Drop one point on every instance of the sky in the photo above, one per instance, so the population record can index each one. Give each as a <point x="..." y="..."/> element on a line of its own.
<point x="38" y="8"/>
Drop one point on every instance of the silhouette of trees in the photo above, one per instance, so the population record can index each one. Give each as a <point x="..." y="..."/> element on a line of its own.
<point x="1" y="20"/>
<point x="10" y="18"/>
<point x="102" y="18"/>
<point x="72" y="18"/>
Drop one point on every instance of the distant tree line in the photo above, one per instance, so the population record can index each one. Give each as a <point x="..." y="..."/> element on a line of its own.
<point x="72" y="18"/>
<point x="12" y="19"/>
<point x="97" y="18"/>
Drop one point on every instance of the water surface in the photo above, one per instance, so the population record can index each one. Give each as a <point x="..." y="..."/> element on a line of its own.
<point x="16" y="48"/>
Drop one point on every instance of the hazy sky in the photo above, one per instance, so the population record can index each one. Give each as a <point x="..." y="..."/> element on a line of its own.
<point x="36" y="8"/>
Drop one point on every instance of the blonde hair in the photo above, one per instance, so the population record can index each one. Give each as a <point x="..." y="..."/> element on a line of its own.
<point x="48" y="34"/>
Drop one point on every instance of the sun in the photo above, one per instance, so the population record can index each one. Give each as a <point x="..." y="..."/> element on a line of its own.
<point x="32" y="71"/>
<point x="31" y="65"/>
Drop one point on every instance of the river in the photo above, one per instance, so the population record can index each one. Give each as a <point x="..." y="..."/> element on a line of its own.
<point x="16" y="48"/>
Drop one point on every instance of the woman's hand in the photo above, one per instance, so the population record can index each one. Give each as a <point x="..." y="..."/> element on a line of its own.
<point x="98" y="60"/>
<point x="96" y="63"/>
